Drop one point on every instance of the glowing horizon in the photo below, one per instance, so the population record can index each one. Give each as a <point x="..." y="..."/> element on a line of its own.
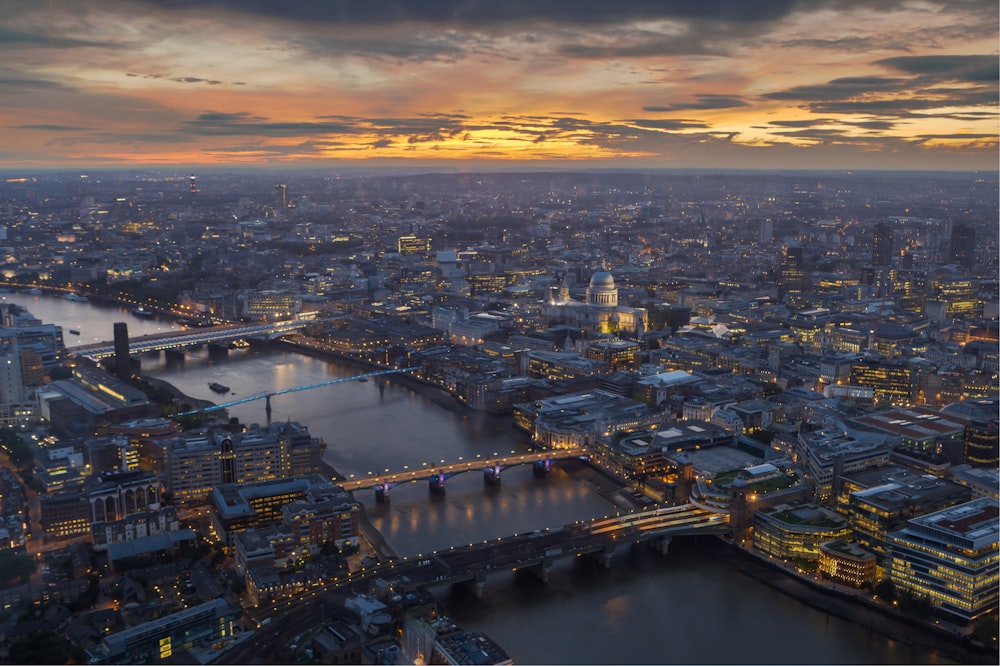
<point x="643" y="83"/>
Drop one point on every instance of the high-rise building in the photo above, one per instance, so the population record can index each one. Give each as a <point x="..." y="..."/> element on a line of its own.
<point x="123" y="368"/>
<point x="281" y="196"/>
<point x="882" y="245"/>
<point x="962" y="246"/>
<point x="792" y="278"/>
<point x="766" y="231"/>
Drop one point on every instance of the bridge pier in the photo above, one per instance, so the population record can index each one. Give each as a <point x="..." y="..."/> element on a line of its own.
<point x="479" y="584"/>
<point x="491" y="476"/>
<point x="218" y="350"/>
<point x="604" y="555"/>
<point x="541" y="571"/>
<point x="382" y="494"/>
<point x="436" y="484"/>
<point x="540" y="468"/>
<point x="174" y="355"/>
<point x="661" y="544"/>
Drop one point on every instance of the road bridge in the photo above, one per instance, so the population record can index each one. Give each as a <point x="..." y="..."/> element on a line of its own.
<point x="437" y="474"/>
<point x="172" y="340"/>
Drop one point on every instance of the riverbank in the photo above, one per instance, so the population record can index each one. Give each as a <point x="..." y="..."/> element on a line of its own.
<point x="181" y="397"/>
<point x="431" y="392"/>
<point x="847" y="605"/>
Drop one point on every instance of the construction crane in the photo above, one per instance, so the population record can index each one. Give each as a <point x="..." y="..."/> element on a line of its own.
<point x="268" y="394"/>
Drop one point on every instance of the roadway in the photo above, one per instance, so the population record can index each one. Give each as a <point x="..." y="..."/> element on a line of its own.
<point x="429" y="470"/>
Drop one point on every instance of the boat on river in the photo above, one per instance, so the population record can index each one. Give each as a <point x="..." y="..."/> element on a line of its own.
<point x="74" y="331"/>
<point x="142" y="312"/>
<point x="218" y="388"/>
<point x="76" y="298"/>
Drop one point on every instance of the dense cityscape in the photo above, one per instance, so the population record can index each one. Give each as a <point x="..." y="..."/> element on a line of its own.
<point x="492" y="332"/>
<point x="794" y="372"/>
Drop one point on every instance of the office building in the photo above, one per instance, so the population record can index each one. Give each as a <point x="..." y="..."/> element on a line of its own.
<point x="962" y="245"/>
<point x="579" y="419"/>
<point x="892" y="383"/>
<point x="240" y="507"/>
<point x="880" y="501"/>
<point x="827" y="455"/>
<point x="196" y="465"/>
<point x="795" y="530"/>
<point x="982" y="444"/>
<point x="951" y="557"/>
<point x="882" y="245"/>
<point x="847" y="563"/>
<point x="413" y="245"/>
<point x="271" y="305"/>
<point x="158" y="640"/>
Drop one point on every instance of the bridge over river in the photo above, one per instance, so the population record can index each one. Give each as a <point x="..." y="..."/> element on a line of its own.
<point x="536" y="550"/>
<point x="437" y="474"/>
<point x="174" y="340"/>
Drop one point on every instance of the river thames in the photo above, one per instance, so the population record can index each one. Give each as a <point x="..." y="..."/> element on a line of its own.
<point x="646" y="609"/>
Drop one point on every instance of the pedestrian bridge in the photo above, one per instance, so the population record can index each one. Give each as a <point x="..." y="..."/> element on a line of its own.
<point x="436" y="475"/>
<point x="171" y="340"/>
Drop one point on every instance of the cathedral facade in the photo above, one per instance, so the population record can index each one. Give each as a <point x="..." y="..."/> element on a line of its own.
<point x="600" y="313"/>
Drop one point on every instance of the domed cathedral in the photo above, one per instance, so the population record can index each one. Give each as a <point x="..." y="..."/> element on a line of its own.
<point x="600" y="313"/>
<point x="602" y="291"/>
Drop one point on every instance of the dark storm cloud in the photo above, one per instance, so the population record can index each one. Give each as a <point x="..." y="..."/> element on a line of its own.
<point x="52" y="128"/>
<point x="852" y="44"/>
<point x="893" y="96"/>
<point x="705" y="101"/>
<point x="195" y="79"/>
<point x="958" y="135"/>
<point x="818" y="134"/>
<point x="801" y="123"/>
<point x="872" y="124"/>
<point x="492" y="12"/>
<point x="905" y="107"/>
<point x="418" y="129"/>
<point x="967" y="68"/>
<point x="846" y="87"/>
<point x="678" y="124"/>
<point x="817" y="122"/>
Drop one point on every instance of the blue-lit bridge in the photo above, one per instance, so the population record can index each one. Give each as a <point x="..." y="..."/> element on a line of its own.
<point x="436" y="475"/>
<point x="171" y="340"/>
<point x="267" y="395"/>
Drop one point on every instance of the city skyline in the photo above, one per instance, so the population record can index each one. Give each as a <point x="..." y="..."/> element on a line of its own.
<point x="449" y="84"/>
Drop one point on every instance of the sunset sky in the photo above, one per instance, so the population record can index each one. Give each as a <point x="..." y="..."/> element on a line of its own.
<point x="718" y="84"/>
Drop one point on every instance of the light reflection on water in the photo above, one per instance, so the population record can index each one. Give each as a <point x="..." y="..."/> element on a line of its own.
<point x="646" y="609"/>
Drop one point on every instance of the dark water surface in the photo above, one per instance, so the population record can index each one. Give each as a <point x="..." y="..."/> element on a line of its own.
<point x="646" y="609"/>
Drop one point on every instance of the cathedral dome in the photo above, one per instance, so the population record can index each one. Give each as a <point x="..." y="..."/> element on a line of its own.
<point x="602" y="280"/>
<point x="602" y="291"/>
